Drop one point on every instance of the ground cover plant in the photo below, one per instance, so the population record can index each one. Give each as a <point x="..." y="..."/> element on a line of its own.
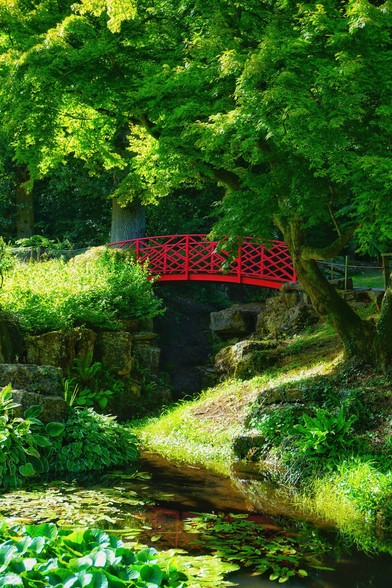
<point x="88" y="441"/>
<point x="97" y="289"/>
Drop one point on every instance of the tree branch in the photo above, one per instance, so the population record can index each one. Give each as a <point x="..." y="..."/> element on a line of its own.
<point x="331" y="250"/>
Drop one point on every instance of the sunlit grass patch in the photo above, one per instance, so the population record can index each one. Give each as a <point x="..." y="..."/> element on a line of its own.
<point x="357" y="498"/>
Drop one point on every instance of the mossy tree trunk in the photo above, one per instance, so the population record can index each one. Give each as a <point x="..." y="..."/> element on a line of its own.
<point x="383" y="342"/>
<point x="128" y="222"/>
<point x="358" y="336"/>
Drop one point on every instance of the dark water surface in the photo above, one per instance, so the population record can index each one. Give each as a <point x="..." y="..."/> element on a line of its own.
<point x="151" y="507"/>
<point x="193" y="489"/>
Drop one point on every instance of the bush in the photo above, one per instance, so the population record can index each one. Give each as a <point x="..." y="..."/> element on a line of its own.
<point x="87" y="442"/>
<point x="24" y="442"/>
<point x="96" y="289"/>
<point x="92" y="441"/>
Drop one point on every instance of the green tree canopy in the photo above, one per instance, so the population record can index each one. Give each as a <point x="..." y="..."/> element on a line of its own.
<point x="285" y="104"/>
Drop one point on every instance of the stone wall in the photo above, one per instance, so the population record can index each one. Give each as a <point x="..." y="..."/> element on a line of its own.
<point x="131" y="356"/>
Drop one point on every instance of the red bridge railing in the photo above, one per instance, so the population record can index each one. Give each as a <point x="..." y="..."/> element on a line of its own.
<point x="194" y="257"/>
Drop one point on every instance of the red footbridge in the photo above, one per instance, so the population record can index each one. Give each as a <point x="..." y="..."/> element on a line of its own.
<point x="195" y="257"/>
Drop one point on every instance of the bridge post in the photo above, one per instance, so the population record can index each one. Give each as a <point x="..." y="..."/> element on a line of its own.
<point x="187" y="257"/>
<point x="239" y="264"/>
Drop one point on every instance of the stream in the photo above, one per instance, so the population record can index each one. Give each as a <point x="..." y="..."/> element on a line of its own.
<point x="155" y="504"/>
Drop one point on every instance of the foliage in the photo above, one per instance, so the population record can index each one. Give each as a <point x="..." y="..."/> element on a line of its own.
<point x="6" y="260"/>
<point x="86" y="442"/>
<point x="85" y="388"/>
<point x="357" y="498"/>
<point x="95" y="289"/>
<point x="278" y="426"/>
<point x="46" y="556"/>
<point x="93" y="442"/>
<point x="24" y="442"/>
<point x="326" y="435"/>
<point x="259" y="547"/>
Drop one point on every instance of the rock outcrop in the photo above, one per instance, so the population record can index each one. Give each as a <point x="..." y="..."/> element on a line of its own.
<point x="33" y="384"/>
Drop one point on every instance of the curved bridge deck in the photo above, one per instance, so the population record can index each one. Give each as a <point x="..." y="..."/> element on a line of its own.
<point x="194" y="257"/>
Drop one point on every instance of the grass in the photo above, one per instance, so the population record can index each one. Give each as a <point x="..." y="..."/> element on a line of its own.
<point x="368" y="279"/>
<point x="202" y="431"/>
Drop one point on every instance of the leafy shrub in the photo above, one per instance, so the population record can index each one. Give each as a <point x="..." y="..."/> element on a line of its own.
<point x="6" y="260"/>
<point x="325" y="435"/>
<point x="42" y="555"/>
<point x="277" y="427"/>
<point x="97" y="288"/>
<point x="92" y="441"/>
<point x="86" y="388"/>
<point x="24" y="442"/>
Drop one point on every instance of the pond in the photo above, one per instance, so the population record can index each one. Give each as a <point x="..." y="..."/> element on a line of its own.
<point x="181" y="507"/>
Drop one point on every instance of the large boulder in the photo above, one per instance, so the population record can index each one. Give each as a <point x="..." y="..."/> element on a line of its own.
<point x="231" y="322"/>
<point x="285" y="315"/>
<point x="147" y="357"/>
<point x="54" y="408"/>
<point x="60" y="348"/>
<point x="40" y="380"/>
<point x="114" y="350"/>
<point x="245" y="359"/>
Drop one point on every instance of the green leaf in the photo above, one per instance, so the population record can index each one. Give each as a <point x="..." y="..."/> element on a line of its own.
<point x="152" y="574"/>
<point x="27" y="470"/>
<point x="55" y="429"/>
<point x="100" y="580"/>
<point x="10" y="580"/>
<point x="33" y="411"/>
<point x="42" y="441"/>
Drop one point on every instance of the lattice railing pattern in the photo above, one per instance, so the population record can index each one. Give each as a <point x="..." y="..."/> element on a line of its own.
<point x="195" y="257"/>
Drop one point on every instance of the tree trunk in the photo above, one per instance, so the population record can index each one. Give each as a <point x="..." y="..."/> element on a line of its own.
<point x="384" y="332"/>
<point x="358" y="336"/>
<point x="128" y="222"/>
<point x="24" y="205"/>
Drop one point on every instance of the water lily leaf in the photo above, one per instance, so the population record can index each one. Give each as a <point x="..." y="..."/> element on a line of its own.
<point x="10" y="580"/>
<point x="155" y="538"/>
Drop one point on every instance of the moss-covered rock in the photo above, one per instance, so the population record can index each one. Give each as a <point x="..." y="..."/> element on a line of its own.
<point x="60" y="348"/>
<point x="42" y="380"/>
<point x="11" y="340"/>
<point x="285" y="315"/>
<point x="245" y="359"/>
<point x="54" y="408"/>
